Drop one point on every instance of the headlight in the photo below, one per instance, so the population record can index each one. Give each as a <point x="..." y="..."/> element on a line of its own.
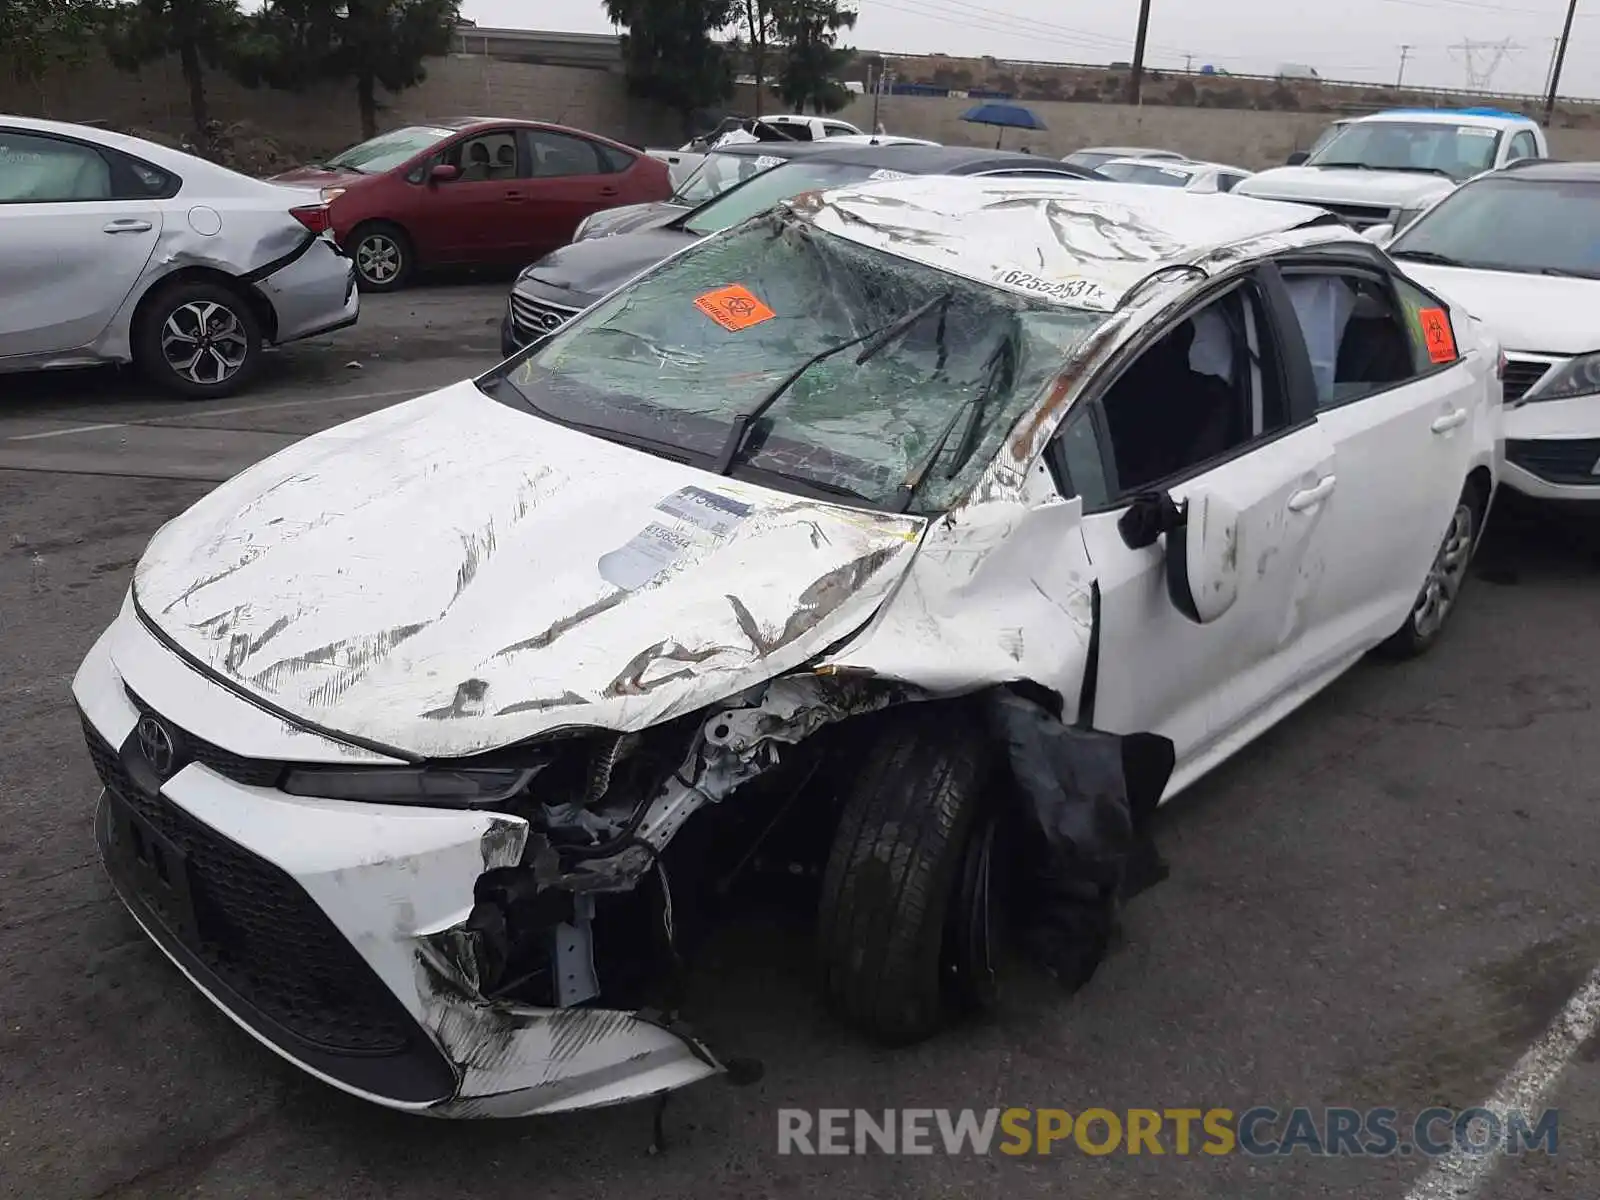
<point x="330" y="194"/>
<point x="1576" y="377"/>
<point x="443" y="787"/>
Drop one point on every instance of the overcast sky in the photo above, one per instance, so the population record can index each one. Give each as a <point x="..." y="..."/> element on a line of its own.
<point x="1352" y="39"/>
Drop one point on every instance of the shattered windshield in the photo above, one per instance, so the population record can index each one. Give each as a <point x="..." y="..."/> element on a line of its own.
<point x="718" y="173"/>
<point x="388" y="150"/>
<point x="1458" y="151"/>
<point x="906" y="419"/>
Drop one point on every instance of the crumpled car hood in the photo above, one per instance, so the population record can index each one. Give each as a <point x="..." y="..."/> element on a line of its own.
<point x="451" y="575"/>
<point x="1344" y="185"/>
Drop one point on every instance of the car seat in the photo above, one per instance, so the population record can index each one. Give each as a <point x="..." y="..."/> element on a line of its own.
<point x="505" y="162"/>
<point x="1375" y="349"/>
<point x="477" y="169"/>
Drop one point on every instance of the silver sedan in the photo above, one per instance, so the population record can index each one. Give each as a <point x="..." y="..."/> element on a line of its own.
<point x="115" y="249"/>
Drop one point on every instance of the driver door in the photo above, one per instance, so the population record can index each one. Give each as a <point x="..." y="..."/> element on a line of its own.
<point x="1209" y="406"/>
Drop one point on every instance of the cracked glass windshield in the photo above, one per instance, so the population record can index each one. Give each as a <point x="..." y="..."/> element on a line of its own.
<point x="1458" y="151"/>
<point x="906" y="417"/>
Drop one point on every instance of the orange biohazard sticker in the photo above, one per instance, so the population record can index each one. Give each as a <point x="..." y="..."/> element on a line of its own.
<point x="1437" y="333"/>
<point x="734" y="308"/>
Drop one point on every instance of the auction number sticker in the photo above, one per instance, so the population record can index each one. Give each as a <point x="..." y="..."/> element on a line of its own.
<point x="1084" y="292"/>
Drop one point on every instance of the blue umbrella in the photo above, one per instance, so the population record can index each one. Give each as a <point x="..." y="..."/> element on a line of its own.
<point x="1006" y="116"/>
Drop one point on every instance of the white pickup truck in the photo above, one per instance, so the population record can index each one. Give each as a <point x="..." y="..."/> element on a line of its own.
<point x="1388" y="168"/>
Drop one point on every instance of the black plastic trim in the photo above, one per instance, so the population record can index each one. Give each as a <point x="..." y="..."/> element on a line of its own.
<point x="282" y="261"/>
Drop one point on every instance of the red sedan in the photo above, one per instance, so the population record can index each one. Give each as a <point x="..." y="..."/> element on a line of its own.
<point x="472" y="190"/>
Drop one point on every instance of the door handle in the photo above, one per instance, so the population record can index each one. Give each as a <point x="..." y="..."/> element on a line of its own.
<point x="1312" y="496"/>
<point x="1450" y="420"/>
<point x="514" y="196"/>
<point x="128" y="225"/>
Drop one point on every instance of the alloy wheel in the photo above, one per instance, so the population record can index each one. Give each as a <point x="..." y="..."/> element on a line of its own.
<point x="1446" y="575"/>
<point x="204" y="342"/>
<point x="378" y="258"/>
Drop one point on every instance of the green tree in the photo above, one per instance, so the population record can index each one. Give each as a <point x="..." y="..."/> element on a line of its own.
<point x="670" y="54"/>
<point x="199" y="32"/>
<point x="36" y="35"/>
<point x="757" y="22"/>
<point x="812" y="62"/>
<point x="294" y="43"/>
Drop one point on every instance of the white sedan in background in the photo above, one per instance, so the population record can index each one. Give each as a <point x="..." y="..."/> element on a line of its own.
<point x="1520" y="249"/>
<point x="115" y="249"/>
<point x="1190" y="176"/>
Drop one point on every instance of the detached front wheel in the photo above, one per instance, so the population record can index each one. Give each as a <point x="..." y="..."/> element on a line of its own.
<point x="199" y="339"/>
<point x="905" y="924"/>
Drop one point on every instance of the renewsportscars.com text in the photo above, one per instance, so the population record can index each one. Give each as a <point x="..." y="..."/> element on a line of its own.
<point x="1260" y="1131"/>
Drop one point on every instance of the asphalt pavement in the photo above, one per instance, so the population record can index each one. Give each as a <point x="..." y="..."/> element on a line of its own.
<point x="1385" y="902"/>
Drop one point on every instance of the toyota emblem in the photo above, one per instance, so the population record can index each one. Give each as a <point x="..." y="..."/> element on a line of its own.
<point x="155" y="743"/>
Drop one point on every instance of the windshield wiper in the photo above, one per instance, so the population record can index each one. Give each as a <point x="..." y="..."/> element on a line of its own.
<point x="1428" y="256"/>
<point x="879" y="338"/>
<point x="973" y="408"/>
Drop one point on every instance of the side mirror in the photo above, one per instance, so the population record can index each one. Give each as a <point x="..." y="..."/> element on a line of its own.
<point x="1296" y="158"/>
<point x="443" y="173"/>
<point x="1378" y="234"/>
<point x="1203" y="559"/>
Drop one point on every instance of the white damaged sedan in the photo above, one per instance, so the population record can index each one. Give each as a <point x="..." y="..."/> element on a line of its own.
<point x="904" y="530"/>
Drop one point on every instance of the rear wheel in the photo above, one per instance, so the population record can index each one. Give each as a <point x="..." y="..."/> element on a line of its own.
<point x="1440" y="590"/>
<point x="905" y="924"/>
<point x="383" y="257"/>
<point x="200" y="339"/>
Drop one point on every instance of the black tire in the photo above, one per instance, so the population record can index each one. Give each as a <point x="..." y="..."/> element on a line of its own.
<point x="384" y="257"/>
<point x="899" y="857"/>
<point x="213" y="318"/>
<point x="1447" y="575"/>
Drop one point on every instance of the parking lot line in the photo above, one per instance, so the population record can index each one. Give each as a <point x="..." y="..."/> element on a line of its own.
<point x="265" y="406"/>
<point x="1459" y="1174"/>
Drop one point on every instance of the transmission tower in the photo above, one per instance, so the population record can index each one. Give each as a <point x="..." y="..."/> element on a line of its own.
<point x="1482" y="60"/>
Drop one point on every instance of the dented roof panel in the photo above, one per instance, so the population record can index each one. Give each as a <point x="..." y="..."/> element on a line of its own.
<point x="1082" y="245"/>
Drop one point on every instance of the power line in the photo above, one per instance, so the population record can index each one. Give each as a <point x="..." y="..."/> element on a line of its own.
<point x="1480" y="70"/>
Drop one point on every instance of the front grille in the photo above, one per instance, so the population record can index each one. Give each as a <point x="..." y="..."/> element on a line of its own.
<point x="258" y="932"/>
<point x="1558" y="460"/>
<point x="535" y="318"/>
<point x="257" y="772"/>
<point x="1357" y="216"/>
<point x="1521" y="375"/>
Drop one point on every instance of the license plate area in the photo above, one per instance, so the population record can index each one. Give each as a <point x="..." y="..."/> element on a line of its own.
<point x="154" y="866"/>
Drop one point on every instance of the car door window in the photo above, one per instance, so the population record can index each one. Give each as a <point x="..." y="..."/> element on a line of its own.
<point x="555" y="155"/>
<point x="1366" y="333"/>
<point x="1522" y="146"/>
<point x="486" y="158"/>
<point x="614" y="160"/>
<point x="46" y="170"/>
<point x="1207" y="388"/>
<point x="1227" y="181"/>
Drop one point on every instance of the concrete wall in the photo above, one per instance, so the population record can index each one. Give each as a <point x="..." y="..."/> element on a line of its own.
<point x="324" y="120"/>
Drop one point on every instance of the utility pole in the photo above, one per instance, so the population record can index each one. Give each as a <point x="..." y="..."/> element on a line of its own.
<point x="1405" y="53"/>
<point x="1561" y="57"/>
<point x="1188" y="64"/>
<point x="1549" y="72"/>
<point x="1136" y="76"/>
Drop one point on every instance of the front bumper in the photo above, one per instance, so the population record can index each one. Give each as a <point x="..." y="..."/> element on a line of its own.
<point x="317" y="925"/>
<point x="1552" y="449"/>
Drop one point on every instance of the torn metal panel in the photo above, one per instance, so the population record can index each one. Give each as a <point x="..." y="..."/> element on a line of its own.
<point x="466" y="581"/>
<point x="999" y="591"/>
